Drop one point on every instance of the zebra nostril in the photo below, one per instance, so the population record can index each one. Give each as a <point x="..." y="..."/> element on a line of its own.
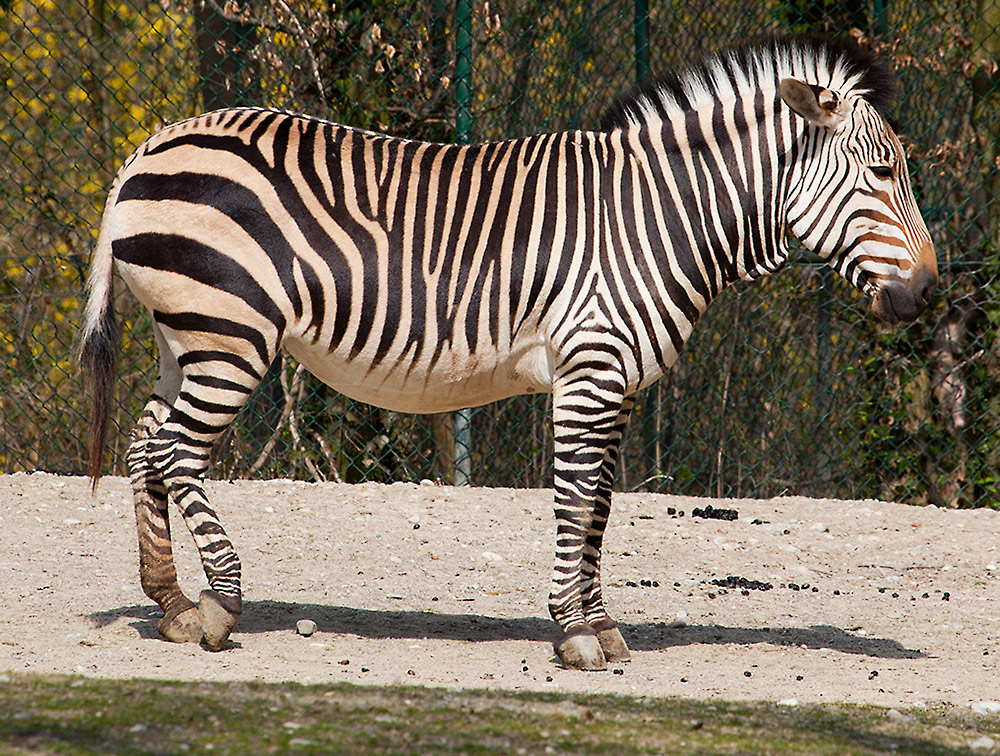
<point x="925" y="282"/>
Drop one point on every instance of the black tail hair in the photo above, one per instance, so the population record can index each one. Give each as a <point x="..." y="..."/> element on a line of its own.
<point x="97" y="353"/>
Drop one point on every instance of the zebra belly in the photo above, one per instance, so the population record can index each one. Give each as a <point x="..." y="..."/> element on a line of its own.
<point x="452" y="383"/>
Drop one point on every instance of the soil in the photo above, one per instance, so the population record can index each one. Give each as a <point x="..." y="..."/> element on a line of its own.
<point x="869" y="601"/>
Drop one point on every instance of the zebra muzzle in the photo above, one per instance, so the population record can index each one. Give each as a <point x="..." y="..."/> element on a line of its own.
<point x="901" y="302"/>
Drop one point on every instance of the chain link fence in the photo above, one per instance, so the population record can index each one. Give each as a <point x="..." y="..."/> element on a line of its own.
<point x="787" y="385"/>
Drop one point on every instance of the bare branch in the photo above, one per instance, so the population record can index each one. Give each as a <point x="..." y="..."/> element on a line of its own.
<point x="231" y="12"/>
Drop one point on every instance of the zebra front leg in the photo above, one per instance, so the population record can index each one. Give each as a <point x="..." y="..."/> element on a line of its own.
<point x="608" y="635"/>
<point x="157" y="574"/>
<point x="585" y="419"/>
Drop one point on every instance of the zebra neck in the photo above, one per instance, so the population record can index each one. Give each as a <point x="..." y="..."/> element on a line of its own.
<point x="698" y="197"/>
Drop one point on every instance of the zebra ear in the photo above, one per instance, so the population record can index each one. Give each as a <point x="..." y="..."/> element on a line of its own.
<point x="818" y="105"/>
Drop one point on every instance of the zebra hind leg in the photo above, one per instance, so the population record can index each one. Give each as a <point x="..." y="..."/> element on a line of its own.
<point x="204" y="408"/>
<point x="157" y="573"/>
<point x="178" y="451"/>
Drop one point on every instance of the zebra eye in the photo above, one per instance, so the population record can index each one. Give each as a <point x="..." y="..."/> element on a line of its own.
<point x="882" y="171"/>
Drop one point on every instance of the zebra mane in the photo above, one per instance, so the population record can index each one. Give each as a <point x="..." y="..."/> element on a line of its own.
<point x="839" y="64"/>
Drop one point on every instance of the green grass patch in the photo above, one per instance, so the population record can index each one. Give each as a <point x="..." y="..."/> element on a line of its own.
<point x="67" y="715"/>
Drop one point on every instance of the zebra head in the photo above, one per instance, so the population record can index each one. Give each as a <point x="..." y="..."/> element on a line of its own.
<point x="851" y="201"/>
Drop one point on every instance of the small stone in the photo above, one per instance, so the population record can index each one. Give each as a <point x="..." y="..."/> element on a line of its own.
<point x="305" y="627"/>
<point x="679" y="619"/>
<point x="986" y="708"/>
<point x="791" y="702"/>
<point x="984" y="743"/>
<point x="899" y="716"/>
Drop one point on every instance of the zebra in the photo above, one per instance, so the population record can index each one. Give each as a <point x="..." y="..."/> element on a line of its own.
<point x="426" y="277"/>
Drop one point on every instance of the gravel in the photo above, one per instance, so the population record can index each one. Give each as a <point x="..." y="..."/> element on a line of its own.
<point x="462" y="601"/>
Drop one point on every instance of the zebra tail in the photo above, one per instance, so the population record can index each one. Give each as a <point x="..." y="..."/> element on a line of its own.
<point x="98" y="345"/>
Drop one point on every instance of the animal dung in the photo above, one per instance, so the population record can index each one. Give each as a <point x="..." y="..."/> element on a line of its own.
<point x="711" y="513"/>
<point x="734" y="581"/>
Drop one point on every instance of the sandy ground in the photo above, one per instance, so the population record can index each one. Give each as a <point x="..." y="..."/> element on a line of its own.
<point x="420" y="584"/>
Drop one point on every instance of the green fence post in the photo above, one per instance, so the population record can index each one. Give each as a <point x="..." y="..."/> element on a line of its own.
<point x="878" y="11"/>
<point x="641" y="37"/>
<point x="463" y="132"/>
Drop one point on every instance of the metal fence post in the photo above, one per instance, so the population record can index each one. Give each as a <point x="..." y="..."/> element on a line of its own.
<point x="463" y="132"/>
<point x="641" y="37"/>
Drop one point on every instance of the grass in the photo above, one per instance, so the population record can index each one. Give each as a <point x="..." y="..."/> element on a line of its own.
<point x="68" y="715"/>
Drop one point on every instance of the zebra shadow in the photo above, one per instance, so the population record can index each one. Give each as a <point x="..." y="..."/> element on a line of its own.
<point x="275" y="616"/>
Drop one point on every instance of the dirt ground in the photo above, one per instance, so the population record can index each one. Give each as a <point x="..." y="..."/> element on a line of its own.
<point x="870" y="602"/>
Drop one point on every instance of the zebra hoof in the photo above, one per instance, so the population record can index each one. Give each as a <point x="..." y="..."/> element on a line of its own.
<point x="182" y="625"/>
<point x="580" y="649"/>
<point x="218" y="615"/>
<point x="611" y="640"/>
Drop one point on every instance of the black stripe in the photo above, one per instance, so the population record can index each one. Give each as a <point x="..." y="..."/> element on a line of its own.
<point x="187" y="257"/>
<point x="209" y="355"/>
<point x="194" y="321"/>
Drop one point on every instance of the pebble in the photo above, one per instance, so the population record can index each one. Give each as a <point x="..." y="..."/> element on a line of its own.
<point x="899" y="716"/>
<point x="986" y="708"/>
<point x="679" y="619"/>
<point x="788" y="702"/>
<point x="985" y="743"/>
<point x="305" y="627"/>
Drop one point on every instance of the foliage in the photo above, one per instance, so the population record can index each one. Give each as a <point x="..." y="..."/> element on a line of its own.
<point x="786" y="387"/>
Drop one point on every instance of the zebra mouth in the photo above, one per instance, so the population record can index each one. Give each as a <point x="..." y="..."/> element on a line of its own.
<point x="898" y="303"/>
